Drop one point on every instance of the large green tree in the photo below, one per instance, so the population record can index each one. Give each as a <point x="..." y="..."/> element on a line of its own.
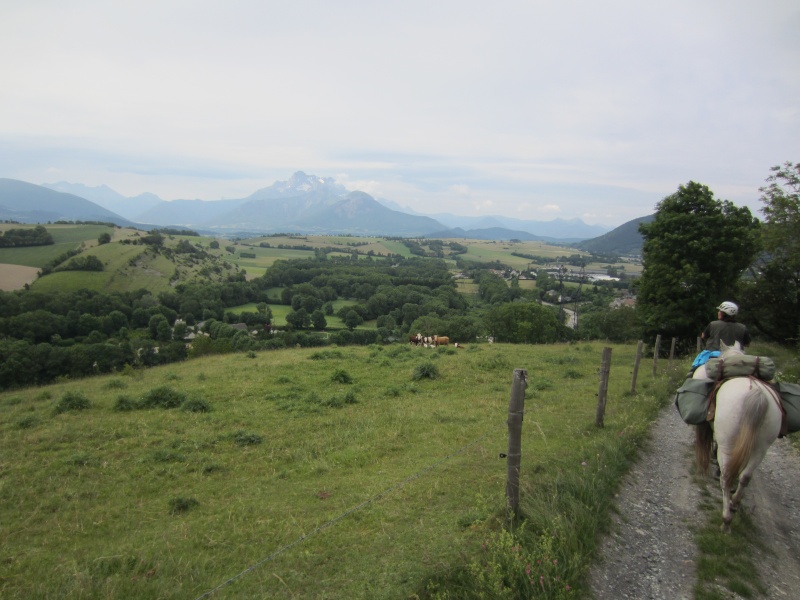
<point x="694" y="253"/>
<point x="772" y="296"/>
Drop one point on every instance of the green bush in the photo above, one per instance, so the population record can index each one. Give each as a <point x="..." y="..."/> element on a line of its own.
<point x="124" y="404"/>
<point x="341" y="376"/>
<point x="72" y="401"/>
<point x="163" y="397"/>
<point x="196" y="405"/>
<point x="426" y="371"/>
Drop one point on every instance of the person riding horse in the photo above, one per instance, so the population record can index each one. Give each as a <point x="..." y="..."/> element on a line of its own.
<point x="724" y="329"/>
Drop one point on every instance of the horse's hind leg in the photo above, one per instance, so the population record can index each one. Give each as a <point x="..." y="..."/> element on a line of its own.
<point x="744" y="479"/>
<point x="727" y="506"/>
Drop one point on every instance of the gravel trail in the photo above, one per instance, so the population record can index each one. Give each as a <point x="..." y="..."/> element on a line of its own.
<point x="650" y="553"/>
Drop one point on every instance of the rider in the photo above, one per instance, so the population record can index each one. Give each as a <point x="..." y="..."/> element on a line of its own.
<point x="724" y="329"/>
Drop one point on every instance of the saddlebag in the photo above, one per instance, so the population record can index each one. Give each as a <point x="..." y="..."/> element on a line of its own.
<point x="790" y="398"/>
<point x="691" y="400"/>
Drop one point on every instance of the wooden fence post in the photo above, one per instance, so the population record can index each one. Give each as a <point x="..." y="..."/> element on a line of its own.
<point x="636" y="365"/>
<point x="656" y="350"/>
<point x="671" y="354"/>
<point x="605" y="369"/>
<point x="699" y="344"/>
<point x="516" y="409"/>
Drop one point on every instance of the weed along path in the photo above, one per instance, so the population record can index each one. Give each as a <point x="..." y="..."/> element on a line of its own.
<point x="651" y="552"/>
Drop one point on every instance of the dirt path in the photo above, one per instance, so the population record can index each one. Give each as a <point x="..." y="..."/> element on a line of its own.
<point x="650" y="554"/>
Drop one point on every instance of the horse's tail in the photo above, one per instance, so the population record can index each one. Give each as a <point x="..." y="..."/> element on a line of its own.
<point x="755" y="405"/>
<point x="703" y="437"/>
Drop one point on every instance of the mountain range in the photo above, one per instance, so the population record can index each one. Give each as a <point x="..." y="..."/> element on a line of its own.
<point x="304" y="204"/>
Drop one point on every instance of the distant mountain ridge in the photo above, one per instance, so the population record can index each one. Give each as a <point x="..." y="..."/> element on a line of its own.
<point x="30" y="203"/>
<point x="302" y="204"/>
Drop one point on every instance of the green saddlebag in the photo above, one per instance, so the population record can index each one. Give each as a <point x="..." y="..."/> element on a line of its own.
<point x="790" y="398"/>
<point x="742" y="365"/>
<point x="691" y="400"/>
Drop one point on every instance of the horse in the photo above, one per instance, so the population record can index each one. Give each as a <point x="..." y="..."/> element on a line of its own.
<point x="746" y="423"/>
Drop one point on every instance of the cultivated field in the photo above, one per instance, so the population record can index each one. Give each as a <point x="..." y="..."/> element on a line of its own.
<point x="359" y="472"/>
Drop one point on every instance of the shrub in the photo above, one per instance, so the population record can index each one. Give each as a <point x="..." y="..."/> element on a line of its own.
<point x="72" y="401"/>
<point x="425" y="371"/>
<point x="163" y="397"/>
<point x="341" y="376"/>
<point x="124" y="404"/>
<point x="340" y="401"/>
<point x="196" y="405"/>
<point x="28" y="422"/>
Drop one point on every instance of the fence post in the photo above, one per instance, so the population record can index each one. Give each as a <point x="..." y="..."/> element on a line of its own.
<point x="516" y="408"/>
<point x="636" y="365"/>
<point x="699" y="344"/>
<point x="671" y="355"/>
<point x="656" y="350"/>
<point x="605" y="368"/>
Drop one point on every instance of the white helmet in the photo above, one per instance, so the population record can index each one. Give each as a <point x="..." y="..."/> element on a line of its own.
<point x="729" y="308"/>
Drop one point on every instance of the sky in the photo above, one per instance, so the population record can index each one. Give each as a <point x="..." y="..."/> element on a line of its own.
<point x="527" y="109"/>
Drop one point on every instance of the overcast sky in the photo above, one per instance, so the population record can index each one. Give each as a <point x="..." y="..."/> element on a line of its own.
<point x="529" y="109"/>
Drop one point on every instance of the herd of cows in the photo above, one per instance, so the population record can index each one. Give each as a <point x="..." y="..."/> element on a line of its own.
<point x="431" y="341"/>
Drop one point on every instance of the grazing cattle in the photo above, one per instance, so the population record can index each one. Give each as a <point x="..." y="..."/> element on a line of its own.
<point x="457" y="345"/>
<point x="440" y="340"/>
<point x="415" y="339"/>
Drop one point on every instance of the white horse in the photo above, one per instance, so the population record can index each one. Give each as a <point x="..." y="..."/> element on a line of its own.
<point x="746" y="423"/>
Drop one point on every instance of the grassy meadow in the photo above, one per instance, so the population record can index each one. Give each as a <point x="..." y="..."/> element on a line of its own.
<point x="358" y="472"/>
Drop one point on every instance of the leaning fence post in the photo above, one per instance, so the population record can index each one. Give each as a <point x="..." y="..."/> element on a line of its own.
<point x="636" y="365"/>
<point x="516" y="408"/>
<point x="656" y="350"/>
<point x="605" y="368"/>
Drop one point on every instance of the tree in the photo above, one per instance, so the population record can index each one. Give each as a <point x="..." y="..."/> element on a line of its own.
<point x="523" y="323"/>
<point x="694" y="252"/>
<point x="104" y="238"/>
<point x="318" y="320"/>
<point x="772" y="297"/>
<point x="352" y="319"/>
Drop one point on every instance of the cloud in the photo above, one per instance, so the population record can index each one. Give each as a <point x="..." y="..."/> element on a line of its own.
<point x="511" y="106"/>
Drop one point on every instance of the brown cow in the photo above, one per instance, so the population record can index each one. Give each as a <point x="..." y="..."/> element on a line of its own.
<point x="415" y="339"/>
<point x="440" y="340"/>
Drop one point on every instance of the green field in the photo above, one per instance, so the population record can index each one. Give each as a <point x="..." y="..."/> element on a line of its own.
<point x="66" y="238"/>
<point x="298" y="484"/>
<point x="279" y="312"/>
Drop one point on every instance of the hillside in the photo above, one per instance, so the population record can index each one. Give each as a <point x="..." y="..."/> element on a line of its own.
<point x="29" y="203"/>
<point x="624" y="240"/>
<point x="128" y="262"/>
<point x="170" y="481"/>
